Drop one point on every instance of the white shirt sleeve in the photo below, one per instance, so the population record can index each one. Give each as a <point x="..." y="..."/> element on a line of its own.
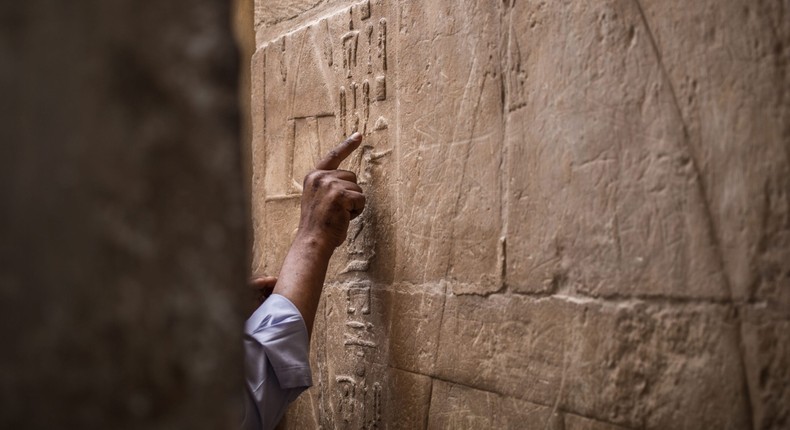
<point x="277" y="367"/>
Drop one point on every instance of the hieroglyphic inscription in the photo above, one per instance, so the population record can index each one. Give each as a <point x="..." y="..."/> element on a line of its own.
<point x="348" y="388"/>
<point x="350" y="43"/>
<point x="358" y="394"/>
<point x="329" y="83"/>
<point x="365" y="86"/>
<point x="355" y="105"/>
<point x="358" y="298"/>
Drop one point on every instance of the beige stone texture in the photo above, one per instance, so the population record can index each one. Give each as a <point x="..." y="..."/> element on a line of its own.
<point x="456" y="406"/>
<point x="575" y="422"/>
<point x="451" y="138"/>
<point x="622" y="363"/>
<point x="766" y="337"/>
<point x="604" y="196"/>
<point x="578" y="213"/>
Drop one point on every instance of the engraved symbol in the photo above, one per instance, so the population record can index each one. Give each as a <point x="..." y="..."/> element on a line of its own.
<point x="283" y="69"/>
<point x="354" y="95"/>
<point x="357" y="325"/>
<point x="365" y="106"/>
<point x="381" y="88"/>
<point x="348" y="388"/>
<point x="381" y="124"/>
<point x="328" y="51"/>
<point x="364" y="10"/>
<point x="342" y="115"/>
<point x="376" y="406"/>
<point x="383" y="43"/>
<point x="369" y="32"/>
<point x="360" y="342"/>
<point x="350" y="41"/>
<point x="358" y="298"/>
<point x="360" y="245"/>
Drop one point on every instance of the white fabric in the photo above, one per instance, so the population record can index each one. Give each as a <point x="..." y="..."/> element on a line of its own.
<point x="277" y="367"/>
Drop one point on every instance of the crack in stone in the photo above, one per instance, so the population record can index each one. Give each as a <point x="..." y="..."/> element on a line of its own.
<point x="712" y="226"/>
<point x="504" y="396"/>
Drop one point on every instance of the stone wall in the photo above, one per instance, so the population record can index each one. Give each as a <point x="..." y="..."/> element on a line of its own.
<point x="578" y="211"/>
<point x="122" y="226"/>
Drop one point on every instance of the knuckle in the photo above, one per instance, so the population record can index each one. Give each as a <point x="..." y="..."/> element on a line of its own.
<point x="336" y="194"/>
<point x="312" y="177"/>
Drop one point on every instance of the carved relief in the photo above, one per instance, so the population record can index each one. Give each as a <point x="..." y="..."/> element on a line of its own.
<point x="358" y="298"/>
<point x="364" y="10"/>
<point x="383" y="43"/>
<point x="350" y="41"/>
<point x="358" y="399"/>
<point x="346" y="67"/>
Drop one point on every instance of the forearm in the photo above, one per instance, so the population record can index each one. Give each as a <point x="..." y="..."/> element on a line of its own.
<point x="302" y="275"/>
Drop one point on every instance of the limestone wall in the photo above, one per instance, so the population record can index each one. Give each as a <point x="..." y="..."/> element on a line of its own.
<point x="578" y="211"/>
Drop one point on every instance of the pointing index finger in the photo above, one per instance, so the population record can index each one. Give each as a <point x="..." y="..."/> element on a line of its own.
<point x="336" y="156"/>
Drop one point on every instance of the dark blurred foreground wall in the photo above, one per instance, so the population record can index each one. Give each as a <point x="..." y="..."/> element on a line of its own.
<point x="122" y="233"/>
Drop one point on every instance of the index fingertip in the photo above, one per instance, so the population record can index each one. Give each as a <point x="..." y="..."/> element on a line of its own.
<point x="355" y="138"/>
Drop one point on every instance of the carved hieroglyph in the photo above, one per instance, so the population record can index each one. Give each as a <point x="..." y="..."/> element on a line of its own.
<point x="322" y="83"/>
<point x="562" y="230"/>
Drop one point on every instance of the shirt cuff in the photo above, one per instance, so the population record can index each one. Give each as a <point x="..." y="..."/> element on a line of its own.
<point x="278" y="327"/>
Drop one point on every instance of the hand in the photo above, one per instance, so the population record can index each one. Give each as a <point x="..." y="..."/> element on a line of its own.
<point x="331" y="198"/>
<point x="263" y="287"/>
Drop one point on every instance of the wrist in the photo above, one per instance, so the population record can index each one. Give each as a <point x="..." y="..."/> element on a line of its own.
<point x="314" y="244"/>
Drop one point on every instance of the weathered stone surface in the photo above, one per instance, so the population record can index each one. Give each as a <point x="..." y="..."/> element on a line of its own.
<point x="766" y="339"/>
<point x="620" y="363"/>
<point x="450" y="144"/>
<point x="416" y="314"/>
<point x="456" y="406"/>
<point x="728" y="67"/>
<point x="576" y="208"/>
<point x="274" y="11"/>
<point x="408" y="400"/>
<point x="122" y="257"/>
<point x="604" y="197"/>
<point x="575" y="422"/>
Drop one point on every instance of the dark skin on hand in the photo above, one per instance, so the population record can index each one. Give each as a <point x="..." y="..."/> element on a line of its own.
<point x="331" y="198"/>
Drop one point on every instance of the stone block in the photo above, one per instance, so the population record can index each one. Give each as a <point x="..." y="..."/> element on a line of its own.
<point x="622" y="364"/>
<point x="407" y="400"/>
<point x="415" y="317"/>
<point x="725" y="63"/>
<point x="449" y="97"/>
<point x="604" y="197"/>
<point x="575" y="422"/>
<point x="766" y="354"/>
<point x="456" y="406"/>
